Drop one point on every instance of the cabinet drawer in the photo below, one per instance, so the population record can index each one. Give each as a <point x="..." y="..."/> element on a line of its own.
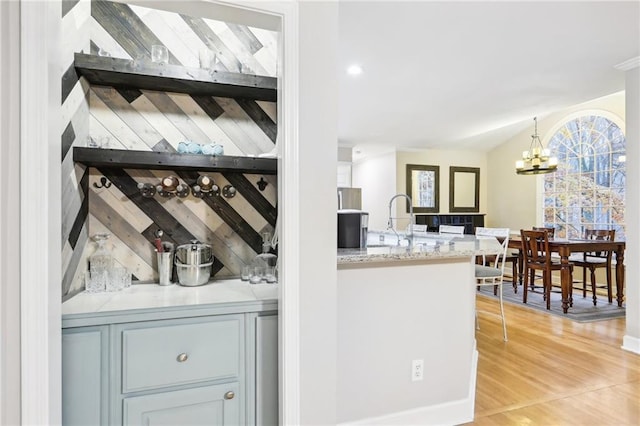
<point x="180" y="354"/>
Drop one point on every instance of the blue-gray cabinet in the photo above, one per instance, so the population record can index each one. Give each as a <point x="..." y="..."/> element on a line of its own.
<point x="156" y="369"/>
<point x="85" y="373"/>
<point x="266" y="370"/>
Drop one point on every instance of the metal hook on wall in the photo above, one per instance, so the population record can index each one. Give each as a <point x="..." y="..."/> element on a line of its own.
<point x="104" y="183"/>
<point x="262" y="184"/>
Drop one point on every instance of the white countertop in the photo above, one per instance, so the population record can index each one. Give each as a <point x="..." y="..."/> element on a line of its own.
<point x="426" y="246"/>
<point x="154" y="296"/>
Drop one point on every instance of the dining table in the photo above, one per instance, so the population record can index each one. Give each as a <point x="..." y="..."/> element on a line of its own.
<point x="564" y="247"/>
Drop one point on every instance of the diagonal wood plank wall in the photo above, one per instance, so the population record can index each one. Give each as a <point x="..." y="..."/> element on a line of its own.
<point x="158" y="121"/>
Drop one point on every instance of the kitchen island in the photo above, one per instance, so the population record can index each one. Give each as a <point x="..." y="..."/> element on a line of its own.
<point x="404" y="305"/>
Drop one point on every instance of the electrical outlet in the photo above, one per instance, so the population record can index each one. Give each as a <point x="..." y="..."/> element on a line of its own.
<point x="417" y="370"/>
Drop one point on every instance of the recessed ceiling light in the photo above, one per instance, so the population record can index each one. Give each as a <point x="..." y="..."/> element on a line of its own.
<point x="354" y="69"/>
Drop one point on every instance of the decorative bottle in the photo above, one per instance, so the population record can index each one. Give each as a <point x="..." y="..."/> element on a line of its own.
<point x="266" y="261"/>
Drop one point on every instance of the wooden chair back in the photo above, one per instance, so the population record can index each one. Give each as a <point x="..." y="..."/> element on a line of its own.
<point x="550" y="231"/>
<point x="602" y="235"/>
<point x="535" y="247"/>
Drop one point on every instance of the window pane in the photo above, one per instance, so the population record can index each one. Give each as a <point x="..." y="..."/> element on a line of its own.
<point x="588" y="190"/>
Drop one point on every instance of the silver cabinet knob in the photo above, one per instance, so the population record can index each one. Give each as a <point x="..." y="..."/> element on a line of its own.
<point x="182" y="357"/>
<point x="229" y="395"/>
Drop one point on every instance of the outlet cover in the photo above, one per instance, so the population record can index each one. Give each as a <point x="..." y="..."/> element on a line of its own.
<point x="417" y="370"/>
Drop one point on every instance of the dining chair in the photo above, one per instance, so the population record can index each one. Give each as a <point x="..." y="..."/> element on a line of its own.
<point x="551" y="233"/>
<point x="487" y="275"/>
<point x="451" y="229"/>
<point x="594" y="260"/>
<point x="537" y="257"/>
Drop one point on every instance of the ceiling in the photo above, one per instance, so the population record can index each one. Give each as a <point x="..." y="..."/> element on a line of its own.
<point x="460" y="75"/>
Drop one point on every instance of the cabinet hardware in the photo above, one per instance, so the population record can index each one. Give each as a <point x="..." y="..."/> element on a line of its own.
<point x="229" y="395"/>
<point x="182" y="357"/>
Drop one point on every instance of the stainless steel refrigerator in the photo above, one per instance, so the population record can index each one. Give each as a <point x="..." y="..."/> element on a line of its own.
<point x="349" y="198"/>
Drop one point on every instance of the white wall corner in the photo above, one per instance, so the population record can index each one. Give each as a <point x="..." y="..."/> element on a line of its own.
<point x="631" y="344"/>
<point x="628" y="64"/>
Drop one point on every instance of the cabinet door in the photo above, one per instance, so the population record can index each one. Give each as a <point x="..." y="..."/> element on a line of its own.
<point x="267" y="370"/>
<point x="84" y="376"/>
<point x="210" y="405"/>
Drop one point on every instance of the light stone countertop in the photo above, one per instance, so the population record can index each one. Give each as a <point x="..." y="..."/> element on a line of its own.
<point x="426" y="246"/>
<point x="152" y="300"/>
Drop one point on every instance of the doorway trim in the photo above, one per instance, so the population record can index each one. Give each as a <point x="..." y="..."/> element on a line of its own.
<point x="40" y="331"/>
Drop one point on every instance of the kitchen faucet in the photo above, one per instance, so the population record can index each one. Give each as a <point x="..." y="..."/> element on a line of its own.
<point x="409" y="235"/>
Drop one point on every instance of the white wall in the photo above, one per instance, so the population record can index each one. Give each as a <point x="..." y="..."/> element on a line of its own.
<point x="387" y="316"/>
<point x="9" y="214"/>
<point x="317" y="201"/>
<point x="40" y="201"/>
<point x="376" y="176"/>
<point x="632" y="336"/>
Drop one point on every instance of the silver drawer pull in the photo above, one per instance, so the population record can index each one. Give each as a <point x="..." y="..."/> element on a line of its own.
<point x="229" y="395"/>
<point x="182" y="357"/>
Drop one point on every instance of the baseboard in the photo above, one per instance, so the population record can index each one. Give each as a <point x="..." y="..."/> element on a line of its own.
<point x="449" y="413"/>
<point x="631" y="344"/>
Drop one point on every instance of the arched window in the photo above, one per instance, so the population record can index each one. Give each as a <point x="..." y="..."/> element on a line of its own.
<point x="588" y="189"/>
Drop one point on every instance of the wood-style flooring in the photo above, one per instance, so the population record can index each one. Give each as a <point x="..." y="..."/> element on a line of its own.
<point x="553" y="371"/>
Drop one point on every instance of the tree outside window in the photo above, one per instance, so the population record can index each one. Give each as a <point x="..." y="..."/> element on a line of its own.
<point x="588" y="189"/>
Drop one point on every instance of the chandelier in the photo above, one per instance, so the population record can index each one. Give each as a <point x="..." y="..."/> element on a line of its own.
<point x="536" y="160"/>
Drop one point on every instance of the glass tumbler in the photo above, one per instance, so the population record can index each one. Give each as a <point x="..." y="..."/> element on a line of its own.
<point x="245" y="274"/>
<point x="270" y="274"/>
<point x="159" y="54"/>
<point x="256" y="274"/>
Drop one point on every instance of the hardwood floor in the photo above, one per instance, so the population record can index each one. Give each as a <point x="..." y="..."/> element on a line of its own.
<point x="553" y="371"/>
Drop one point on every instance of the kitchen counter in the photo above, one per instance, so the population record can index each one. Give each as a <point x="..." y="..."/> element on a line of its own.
<point x="152" y="301"/>
<point x="152" y="354"/>
<point x="382" y="247"/>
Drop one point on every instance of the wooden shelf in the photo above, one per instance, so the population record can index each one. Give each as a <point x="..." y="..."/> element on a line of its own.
<point x="97" y="157"/>
<point x="116" y="72"/>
